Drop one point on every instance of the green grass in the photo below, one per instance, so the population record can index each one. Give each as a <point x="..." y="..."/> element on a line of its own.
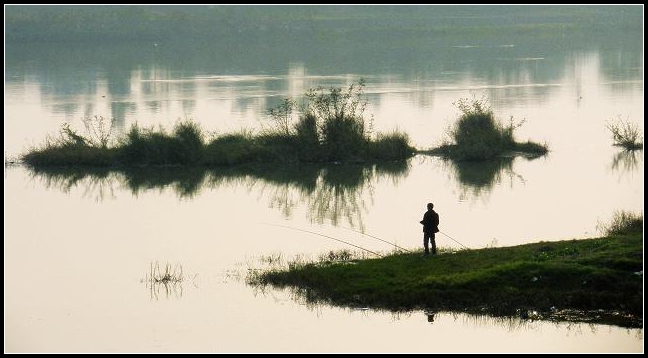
<point x="583" y="275"/>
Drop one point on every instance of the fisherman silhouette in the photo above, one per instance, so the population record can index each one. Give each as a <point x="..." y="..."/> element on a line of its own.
<point x="430" y="226"/>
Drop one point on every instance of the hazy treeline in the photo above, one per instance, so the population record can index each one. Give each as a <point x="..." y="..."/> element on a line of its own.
<point x="159" y="22"/>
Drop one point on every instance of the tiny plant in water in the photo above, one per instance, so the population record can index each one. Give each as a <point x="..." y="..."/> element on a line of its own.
<point x="168" y="274"/>
<point x="626" y="134"/>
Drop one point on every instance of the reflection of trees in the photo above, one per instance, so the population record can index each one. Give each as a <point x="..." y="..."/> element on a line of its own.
<point x="329" y="192"/>
<point x="164" y="289"/>
<point x="340" y="194"/>
<point x="96" y="182"/>
<point x="477" y="178"/>
<point x="627" y="161"/>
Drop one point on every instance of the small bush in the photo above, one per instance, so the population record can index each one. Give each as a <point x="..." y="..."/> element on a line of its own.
<point x="478" y="136"/>
<point x="98" y="131"/>
<point x="144" y="146"/>
<point x="626" y="134"/>
<point x="343" y="138"/>
<point x="188" y="143"/>
<point x="282" y="115"/>
<point x="230" y="149"/>
<point x="623" y="223"/>
<point x="339" y="115"/>
<point x="395" y="145"/>
<point x="307" y="138"/>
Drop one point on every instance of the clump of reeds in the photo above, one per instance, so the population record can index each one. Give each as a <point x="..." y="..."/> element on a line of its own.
<point x="477" y="135"/>
<point x="184" y="146"/>
<point x="168" y="274"/>
<point x="333" y="127"/>
<point x="626" y="134"/>
<point x="623" y="223"/>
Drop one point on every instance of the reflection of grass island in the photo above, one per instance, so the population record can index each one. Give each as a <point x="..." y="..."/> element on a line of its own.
<point x="595" y="280"/>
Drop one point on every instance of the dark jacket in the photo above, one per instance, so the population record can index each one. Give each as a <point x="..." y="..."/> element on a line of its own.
<point x="430" y="221"/>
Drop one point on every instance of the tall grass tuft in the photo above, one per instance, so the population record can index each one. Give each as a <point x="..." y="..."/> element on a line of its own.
<point x="626" y="134"/>
<point x="623" y="223"/>
<point x="308" y="142"/>
<point x="146" y="146"/>
<point x="339" y="116"/>
<point x="477" y="135"/>
<point x="168" y="274"/>
<point x="229" y="149"/>
<point x="188" y="143"/>
<point x="390" y="146"/>
<point x="71" y="148"/>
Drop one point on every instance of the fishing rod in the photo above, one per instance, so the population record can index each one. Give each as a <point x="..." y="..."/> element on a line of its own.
<point x="330" y="237"/>
<point x="453" y="239"/>
<point x="377" y="238"/>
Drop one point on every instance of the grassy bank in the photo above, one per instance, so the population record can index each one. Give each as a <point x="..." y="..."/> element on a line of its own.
<point x="478" y="136"/>
<point x="603" y="275"/>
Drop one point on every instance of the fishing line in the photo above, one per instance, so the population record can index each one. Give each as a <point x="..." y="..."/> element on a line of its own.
<point x="377" y="238"/>
<point x="453" y="239"/>
<point x="330" y="237"/>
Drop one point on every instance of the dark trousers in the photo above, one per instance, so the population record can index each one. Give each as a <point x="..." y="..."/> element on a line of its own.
<point x="429" y="236"/>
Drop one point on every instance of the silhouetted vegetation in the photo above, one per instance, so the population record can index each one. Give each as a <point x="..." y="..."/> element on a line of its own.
<point x="627" y="161"/>
<point x="168" y="280"/>
<point x="477" y="135"/>
<point x="626" y="134"/>
<point x="600" y="278"/>
<point x="623" y="223"/>
<point x="331" y="129"/>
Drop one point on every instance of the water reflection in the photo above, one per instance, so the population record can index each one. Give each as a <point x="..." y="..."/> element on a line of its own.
<point x="477" y="178"/>
<point x="164" y="281"/>
<point x="569" y="318"/>
<point x="479" y="318"/>
<point x="139" y="81"/>
<point x="627" y="161"/>
<point x="165" y="290"/>
<point x="331" y="193"/>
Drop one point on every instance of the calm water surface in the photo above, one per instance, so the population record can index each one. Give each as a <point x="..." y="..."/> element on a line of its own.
<point x="78" y="244"/>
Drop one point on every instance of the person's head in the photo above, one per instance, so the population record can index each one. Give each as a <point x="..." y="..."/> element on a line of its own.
<point x="430" y="206"/>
